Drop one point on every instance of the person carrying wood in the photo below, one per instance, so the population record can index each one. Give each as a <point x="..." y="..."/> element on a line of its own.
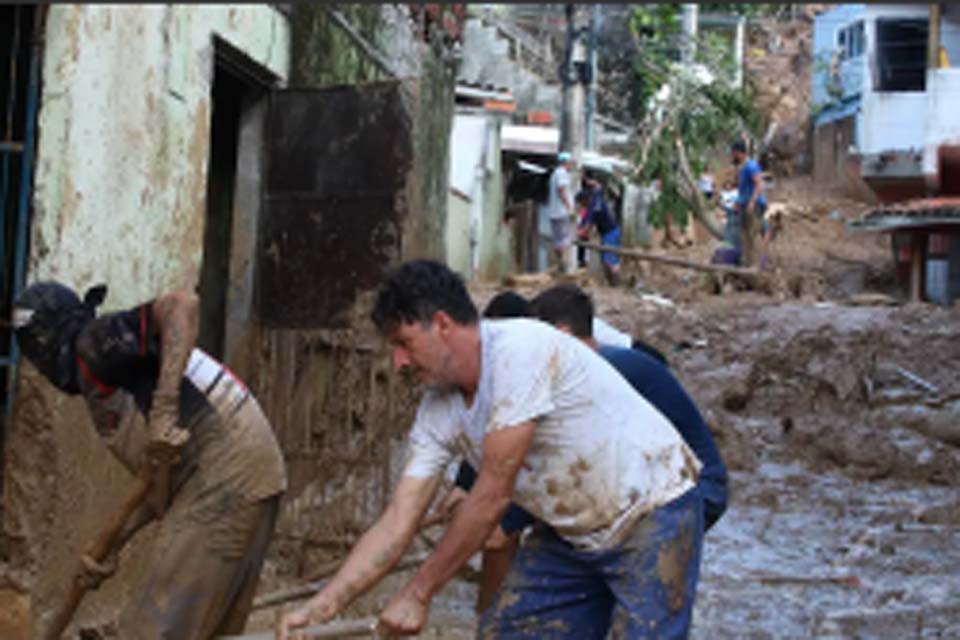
<point x="218" y="498"/>
<point x="551" y="426"/>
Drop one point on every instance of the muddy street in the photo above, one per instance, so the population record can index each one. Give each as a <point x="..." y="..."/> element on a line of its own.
<point x="838" y="424"/>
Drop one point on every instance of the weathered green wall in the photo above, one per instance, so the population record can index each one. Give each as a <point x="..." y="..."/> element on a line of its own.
<point x="322" y="54"/>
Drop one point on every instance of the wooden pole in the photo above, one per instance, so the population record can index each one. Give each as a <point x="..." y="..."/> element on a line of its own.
<point x="306" y="590"/>
<point x="364" y="627"/>
<point x="101" y="549"/>
<point x="933" y="38"/>
<point x="636" y="254"/>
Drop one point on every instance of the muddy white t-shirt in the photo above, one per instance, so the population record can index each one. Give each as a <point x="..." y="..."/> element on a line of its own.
<point x="601" y="455"/>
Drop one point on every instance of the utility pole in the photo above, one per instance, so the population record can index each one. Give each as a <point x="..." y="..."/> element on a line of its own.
<point x="689" y="46"/>
<point x="566" y="92"/>
<point x="590" y="136"/>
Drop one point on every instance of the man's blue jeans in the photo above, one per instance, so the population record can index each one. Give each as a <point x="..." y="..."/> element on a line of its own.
<point x="643" y="588"/>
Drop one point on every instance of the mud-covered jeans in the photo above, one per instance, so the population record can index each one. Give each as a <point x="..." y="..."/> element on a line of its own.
<point x="208" y="555"/>
<point x="643" y="588"/>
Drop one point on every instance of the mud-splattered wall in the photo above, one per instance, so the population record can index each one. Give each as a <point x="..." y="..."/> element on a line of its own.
<point x="337" y="409"/>
<point x="124" y="138"/>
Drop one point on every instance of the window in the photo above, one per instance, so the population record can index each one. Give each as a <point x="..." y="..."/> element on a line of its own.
<point x="901" y="63"/>
<point x="851" y="40"/>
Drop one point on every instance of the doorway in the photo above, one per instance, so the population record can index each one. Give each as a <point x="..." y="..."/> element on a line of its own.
<point x="238" y="96"/>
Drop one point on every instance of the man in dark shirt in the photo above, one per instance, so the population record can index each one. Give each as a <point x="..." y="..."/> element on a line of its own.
<point x="600" y="216"/>
<point x="150" y="391"/>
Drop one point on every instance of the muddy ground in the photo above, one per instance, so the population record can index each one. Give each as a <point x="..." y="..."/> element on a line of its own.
<point x="837" y="413"/>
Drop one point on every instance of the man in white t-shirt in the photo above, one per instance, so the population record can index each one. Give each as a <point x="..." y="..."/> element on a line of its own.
<point x="553" y="427"/>
<point x="558" y="209"/>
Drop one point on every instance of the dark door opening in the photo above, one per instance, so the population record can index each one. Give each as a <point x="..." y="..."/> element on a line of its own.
<point x="233" y="96"/>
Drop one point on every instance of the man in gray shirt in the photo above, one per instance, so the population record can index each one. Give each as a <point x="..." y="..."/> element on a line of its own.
<point x="558" y="208"/>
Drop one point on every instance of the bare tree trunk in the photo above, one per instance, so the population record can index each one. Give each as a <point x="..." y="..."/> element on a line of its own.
<point x="698" y="208"/>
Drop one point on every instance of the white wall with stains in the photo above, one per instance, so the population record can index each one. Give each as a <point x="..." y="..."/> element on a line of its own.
<point x="119" y="196"/>
<point x="124" y="132"/>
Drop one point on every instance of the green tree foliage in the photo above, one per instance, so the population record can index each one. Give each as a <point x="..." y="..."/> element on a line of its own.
<point x="689" y="112"/>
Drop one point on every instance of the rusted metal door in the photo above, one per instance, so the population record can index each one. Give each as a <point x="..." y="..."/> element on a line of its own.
<point x="338" y="161"/>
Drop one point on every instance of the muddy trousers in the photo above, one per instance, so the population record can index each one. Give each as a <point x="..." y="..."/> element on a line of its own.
<point x="206" y="563"/>
<point x="643" y="588"/>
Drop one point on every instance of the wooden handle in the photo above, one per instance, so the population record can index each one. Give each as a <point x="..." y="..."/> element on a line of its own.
<point x="345" y="629"/>
<point x="101" y="549"/>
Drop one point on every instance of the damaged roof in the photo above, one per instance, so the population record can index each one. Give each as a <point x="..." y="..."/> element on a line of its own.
<point x="922" y="212"/>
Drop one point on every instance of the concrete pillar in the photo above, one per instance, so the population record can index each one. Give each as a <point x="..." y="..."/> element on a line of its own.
<point x="738" y="52"/>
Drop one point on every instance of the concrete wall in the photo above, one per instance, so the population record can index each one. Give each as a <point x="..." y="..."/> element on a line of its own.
<point x="486" y="58"/>
<point x="458" y="235"/>
<point x="119" y="197"/>
<point x="122" y="157"/>
<point x="496" y="238"/>
<point x="476" y="172"/>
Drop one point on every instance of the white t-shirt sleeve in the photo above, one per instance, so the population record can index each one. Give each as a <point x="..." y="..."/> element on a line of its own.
<point x="524" y="372"/>
<point x="428" y="452"/>
<point x="563" y="179"/>
<point x="606" y="333"/>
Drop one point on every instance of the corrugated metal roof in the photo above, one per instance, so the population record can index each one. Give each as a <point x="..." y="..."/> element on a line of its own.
<point x="921" y="212"/>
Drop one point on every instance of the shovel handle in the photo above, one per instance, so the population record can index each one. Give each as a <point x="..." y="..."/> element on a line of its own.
<point x="364" y="627"/>
<point x="101" y="549"/>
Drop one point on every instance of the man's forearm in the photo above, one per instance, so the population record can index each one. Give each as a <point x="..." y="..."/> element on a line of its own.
<point x="380" y="548"/>
<point x="176" y="316"/>
<point x="471" y="526"/>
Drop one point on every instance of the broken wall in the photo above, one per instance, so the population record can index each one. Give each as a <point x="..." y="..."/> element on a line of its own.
<point x="119" y="197"/>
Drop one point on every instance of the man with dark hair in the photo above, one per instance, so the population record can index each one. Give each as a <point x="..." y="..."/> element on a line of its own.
<point x="218" y="515"/>
<point x="521" y="401"/>
<point x="601" y="218"/>
<point x="751" y="203"/>
<point x="507" y="304"/>
<point x="569" y="308"/>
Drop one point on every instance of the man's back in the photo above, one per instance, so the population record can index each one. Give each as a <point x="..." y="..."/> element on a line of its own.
<point x="554" y="207"/>
<point x="655" y="383"/>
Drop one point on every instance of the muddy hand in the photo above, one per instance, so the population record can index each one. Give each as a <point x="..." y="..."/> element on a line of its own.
<point x="166" y="437"/>
<point x="315" y="611"/>
<point x="93" y="573"/>
<point x="405" y="615"/>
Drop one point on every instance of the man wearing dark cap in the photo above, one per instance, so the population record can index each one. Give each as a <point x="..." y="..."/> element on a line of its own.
<point x="152" y="395"/>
